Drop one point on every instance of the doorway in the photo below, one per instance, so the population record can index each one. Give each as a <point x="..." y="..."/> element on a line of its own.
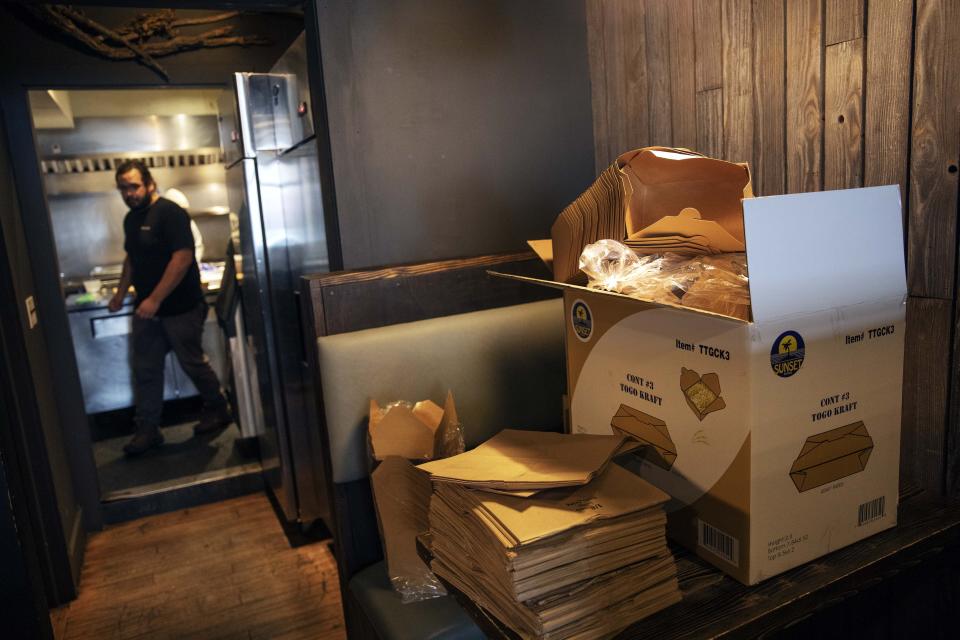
<point x="62" y="455"/>
<point x="82" y="136"/>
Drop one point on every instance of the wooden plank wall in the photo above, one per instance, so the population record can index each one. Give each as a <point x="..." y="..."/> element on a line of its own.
<point x="814" y="94"/>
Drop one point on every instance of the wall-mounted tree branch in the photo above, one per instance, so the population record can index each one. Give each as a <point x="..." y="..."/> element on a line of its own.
<point x="147" y="37"/>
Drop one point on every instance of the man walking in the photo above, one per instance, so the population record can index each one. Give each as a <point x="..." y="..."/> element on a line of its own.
<point x="170" y="309"/>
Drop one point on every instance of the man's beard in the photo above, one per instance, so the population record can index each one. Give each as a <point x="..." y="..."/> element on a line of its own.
<point x="136" y="204"/>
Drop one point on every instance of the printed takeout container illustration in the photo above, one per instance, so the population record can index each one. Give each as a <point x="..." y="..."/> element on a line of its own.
<point x="657" y="446"/>
<point x="829" y="456"/>
<point x="701" y="392"/>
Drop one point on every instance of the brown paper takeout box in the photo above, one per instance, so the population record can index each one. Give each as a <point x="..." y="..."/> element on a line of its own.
<point x="401" y="495"/>
<point x="420" y="433"/>
<point x="653" y="203"/>
<point x="829" y="456"/>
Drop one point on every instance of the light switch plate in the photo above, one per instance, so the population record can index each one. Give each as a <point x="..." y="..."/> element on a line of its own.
<point x="31" y="312"/>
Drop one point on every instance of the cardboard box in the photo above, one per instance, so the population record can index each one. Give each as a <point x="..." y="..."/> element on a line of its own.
<point x="778" y="438"/>
<point x="423" y="431"/>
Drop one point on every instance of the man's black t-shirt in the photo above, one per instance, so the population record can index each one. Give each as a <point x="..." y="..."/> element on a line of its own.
<point x="152" y="235"/>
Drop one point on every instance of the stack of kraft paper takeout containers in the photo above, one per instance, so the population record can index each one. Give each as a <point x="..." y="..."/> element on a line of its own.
<point x="550" y="537"/>
<point x="776" y="434"/>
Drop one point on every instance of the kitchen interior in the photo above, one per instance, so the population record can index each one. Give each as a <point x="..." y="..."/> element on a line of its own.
<point x="241" y="159"/>
<point x="81" y="137"/>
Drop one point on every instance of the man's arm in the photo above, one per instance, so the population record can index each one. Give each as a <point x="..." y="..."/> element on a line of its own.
<point x="179" y="263"/>
<point x="126" y="277"/>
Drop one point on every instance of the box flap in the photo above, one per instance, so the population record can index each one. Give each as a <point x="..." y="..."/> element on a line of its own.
<point x="809" y="252"/>
<point x="544" y="251"/>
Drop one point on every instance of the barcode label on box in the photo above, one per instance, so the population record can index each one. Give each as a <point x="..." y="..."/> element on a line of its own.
<point x="719" y="543"/>
<point x="870" y="511"/>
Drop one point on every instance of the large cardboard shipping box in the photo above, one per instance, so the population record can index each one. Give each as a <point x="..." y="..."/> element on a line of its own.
<point x="778" y="438"/>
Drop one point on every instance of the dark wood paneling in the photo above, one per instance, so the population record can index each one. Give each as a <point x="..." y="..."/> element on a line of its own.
<point x="737" y="80"/>
<point x="709" y="51"/>
<point x="659" y="43"/>
<point x="804" y="96"/>
<point x="843" y="115"/>
<point x="710" y="122"/>
<point x="935" y="147"/>
<point x="616" y="44"/>
<point x="709" y="77"/>
<point x="925" y="390"/>
<point x="773" y="78"/>
<point x="844" y="21"/>
<point x="953" y="407"/>
<point x="599" y="87"/>
<point x="769" y="167"/>
<point x="887" y="86"/>
<point x="682" y="74"/>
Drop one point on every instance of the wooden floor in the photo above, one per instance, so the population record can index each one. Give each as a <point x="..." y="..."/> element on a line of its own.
<point x="218" y="571"/>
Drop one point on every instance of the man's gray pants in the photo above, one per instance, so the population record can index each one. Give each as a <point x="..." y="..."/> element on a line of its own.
<point x="151" y="341"/>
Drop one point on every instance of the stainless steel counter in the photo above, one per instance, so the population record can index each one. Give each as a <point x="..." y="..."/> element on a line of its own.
<point x="101" y="344"/>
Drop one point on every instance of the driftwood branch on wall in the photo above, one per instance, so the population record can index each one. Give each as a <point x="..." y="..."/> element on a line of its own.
<point x="147" y="37"/>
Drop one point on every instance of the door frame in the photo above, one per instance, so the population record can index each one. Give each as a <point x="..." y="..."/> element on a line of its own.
<point x="44" y="265"/>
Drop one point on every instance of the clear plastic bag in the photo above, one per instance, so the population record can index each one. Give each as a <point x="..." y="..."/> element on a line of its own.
<point x="451" y="441"/>
<point x="612" y="266"/>
<point x="417" y="584"/>
<point x="716" y="283"/>
<point x="719" y="285"/>
<point x="402" y="496"/>
<point x="382" y="411"/>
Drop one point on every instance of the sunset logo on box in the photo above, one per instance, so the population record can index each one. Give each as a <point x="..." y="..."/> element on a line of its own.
<point x="582" y="320"/>
<point x="787" y="353"/>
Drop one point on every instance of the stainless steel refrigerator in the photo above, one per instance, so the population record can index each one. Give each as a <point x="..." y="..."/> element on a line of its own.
<point x="273" y="184"/>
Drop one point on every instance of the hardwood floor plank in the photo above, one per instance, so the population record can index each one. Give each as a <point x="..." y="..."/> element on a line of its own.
<point x="223" y="570"/>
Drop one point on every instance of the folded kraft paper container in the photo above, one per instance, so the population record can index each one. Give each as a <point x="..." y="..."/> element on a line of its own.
<point x="777" y="438"/>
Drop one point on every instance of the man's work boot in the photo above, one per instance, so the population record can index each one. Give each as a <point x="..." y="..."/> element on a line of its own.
<point x="215" y="419"/>
<point x="145" y="439"/>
